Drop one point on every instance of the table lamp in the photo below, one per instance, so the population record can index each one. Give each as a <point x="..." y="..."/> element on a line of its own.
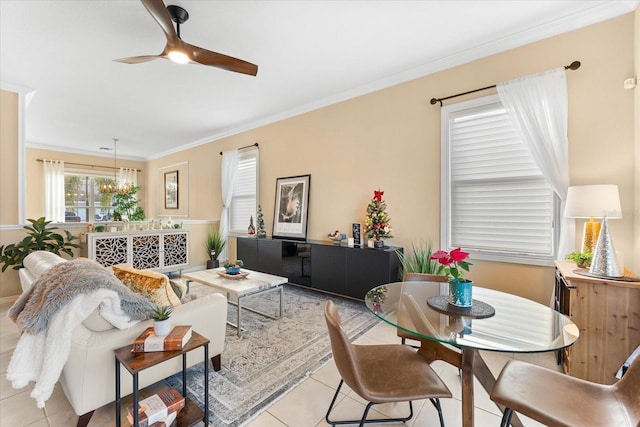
<point x="592" y="201"/>
<point x="601" y="201"/>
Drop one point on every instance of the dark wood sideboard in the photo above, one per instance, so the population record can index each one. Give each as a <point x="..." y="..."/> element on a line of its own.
<point x="324" y="266"/>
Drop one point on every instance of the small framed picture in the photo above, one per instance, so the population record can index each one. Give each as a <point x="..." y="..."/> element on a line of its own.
<point x="171" y="190"/>
<point x="356" y="230"/>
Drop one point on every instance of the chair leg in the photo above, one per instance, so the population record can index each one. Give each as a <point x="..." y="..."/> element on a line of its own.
<point x="216" y="361"/>
<point x="436" y="403"/>
<point x="333" y="401"/>
<point x="506" y="417"/>
<point x="364" y="419"/>
<point x="83" y="420"/>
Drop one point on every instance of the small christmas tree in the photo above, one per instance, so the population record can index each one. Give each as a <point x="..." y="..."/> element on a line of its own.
<point x="377" y="224"/>
<point x="261" y="233"/>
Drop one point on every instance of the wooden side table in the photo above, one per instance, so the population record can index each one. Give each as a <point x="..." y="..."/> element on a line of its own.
<point x="606" y="312"/>
<point x="138" y="362"/>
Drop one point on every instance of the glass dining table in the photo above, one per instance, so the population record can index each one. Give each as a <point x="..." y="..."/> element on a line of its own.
<point x="497" y="321"/>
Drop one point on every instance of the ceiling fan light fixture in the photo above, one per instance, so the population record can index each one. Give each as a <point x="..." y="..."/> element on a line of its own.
<point x="178" y="57"/>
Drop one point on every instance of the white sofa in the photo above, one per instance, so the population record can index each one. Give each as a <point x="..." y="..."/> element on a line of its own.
<point x="88" y="377"/>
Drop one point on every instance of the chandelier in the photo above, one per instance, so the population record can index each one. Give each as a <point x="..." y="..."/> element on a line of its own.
<point x="115" y="186"/>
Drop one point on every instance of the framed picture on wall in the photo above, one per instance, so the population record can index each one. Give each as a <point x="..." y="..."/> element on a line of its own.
<point x="291" y="207"/>
<point x="171" y="190"/>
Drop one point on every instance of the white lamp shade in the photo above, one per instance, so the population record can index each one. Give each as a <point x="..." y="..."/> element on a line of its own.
<point x="586" y="201"/>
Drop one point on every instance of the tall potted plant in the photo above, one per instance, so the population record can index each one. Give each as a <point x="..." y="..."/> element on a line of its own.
<point x="214" y="244"/>
<point x="126" y="204"/>
<point x="40" y="237"/>
<point x="419" y="260"/>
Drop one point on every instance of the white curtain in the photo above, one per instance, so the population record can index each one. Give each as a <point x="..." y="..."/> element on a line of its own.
<point x="54" y="190"/>
<point x="538" y="106"/>
<point x="227" y="180"/>
<point x="128" y="176"/>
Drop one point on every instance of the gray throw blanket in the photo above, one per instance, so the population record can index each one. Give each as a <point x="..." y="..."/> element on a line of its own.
<point x="60" y="284"/>
<point x="49" y="311"/>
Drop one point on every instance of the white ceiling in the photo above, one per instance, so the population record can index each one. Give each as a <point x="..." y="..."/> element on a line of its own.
<point x="309" y="53"/>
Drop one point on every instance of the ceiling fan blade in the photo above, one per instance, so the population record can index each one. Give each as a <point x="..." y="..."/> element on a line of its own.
<point x="159" y="12"/>
<point x="139" y="59"/>
<point x="214" y="59"/>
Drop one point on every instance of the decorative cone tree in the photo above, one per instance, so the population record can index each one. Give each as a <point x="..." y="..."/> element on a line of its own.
<point x="377" y="224"/>
<point x="260" y="233"/>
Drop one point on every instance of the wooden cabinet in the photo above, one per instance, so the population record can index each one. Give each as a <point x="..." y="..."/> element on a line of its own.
<point x="160" y="250"/>
<point x="607" y="313"/>
<point x="321" y="265"/>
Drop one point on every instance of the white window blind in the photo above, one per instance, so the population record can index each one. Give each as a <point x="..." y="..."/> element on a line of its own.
<point x="496" y="203"/>
<point x="244" y="202"/>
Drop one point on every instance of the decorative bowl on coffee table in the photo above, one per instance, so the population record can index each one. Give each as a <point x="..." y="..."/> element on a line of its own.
<point x="232" y="271"/>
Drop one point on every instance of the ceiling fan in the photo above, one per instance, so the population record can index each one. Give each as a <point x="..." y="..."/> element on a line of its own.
<point x="180" y="51"/>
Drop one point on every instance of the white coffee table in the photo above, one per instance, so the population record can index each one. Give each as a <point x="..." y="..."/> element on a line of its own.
<point x="254" y="283"/>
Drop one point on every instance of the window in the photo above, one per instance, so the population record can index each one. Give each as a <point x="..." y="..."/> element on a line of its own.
<point x="495" y="201"/>
<point x="245" y="200"/>
<point x="83" y="201"/>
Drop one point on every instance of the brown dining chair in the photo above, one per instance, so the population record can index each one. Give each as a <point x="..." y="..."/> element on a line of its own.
<point x="556" y="399"/>
<point x="382" y="373"/>
<point x="403" y="318"/>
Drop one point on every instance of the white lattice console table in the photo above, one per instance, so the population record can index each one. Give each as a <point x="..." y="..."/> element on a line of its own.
<point x="159" y="250"/>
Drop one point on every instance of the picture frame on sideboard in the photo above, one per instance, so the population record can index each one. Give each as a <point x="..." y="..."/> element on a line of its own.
<point x="291" y="207"/>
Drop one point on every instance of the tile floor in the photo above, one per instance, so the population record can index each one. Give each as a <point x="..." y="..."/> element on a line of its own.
<point x="304" y="406"/>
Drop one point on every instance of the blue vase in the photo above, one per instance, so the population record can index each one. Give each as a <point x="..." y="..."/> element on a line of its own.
<point x="233" y="271"/>
<point x="460" y="292"/>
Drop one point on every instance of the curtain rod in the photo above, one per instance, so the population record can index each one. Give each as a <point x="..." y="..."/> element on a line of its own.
<point x="246" y="146"/>
<point x="91" y="166"/>
<point x="573" y="66"/>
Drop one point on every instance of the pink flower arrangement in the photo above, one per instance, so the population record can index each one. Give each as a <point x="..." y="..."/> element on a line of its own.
<point x="453" y="262"/>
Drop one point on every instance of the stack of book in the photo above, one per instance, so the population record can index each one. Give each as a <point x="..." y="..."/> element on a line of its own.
<point x="175" y="340"/>
<point x="159" y="410"/>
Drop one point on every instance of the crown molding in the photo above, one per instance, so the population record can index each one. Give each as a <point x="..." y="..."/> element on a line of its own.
<point x="61" y="149"/>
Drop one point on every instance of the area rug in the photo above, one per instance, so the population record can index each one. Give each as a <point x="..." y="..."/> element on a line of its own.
<point x="272" y="356"/>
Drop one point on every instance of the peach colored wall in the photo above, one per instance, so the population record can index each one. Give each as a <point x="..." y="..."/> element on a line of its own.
<point x="9" y="183"/>
<point x="8" y="163"/>
<point x="390" y="139"/>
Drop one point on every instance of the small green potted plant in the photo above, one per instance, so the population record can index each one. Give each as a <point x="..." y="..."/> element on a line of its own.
<point x="214" y="244"/>
<point x="582" y="259"/>
<point x="233" y="268"/>
<point x="161" y="320"/>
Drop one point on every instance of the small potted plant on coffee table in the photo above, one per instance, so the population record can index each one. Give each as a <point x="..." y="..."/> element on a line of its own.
<point x="233" y="268"/>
